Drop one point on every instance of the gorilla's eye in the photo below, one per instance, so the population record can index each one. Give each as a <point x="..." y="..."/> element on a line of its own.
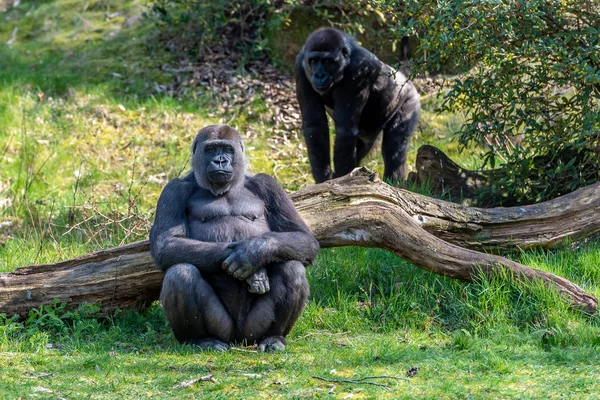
<point x="219" y="148"/>
<point x="209" y="148"/>
<point x="345" y="51"/>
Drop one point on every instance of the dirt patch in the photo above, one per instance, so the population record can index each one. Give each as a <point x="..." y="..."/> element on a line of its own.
<point x="239" y="87"/>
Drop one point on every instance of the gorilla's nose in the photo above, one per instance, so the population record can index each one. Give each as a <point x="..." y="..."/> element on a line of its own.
<point x="219" y="161"/>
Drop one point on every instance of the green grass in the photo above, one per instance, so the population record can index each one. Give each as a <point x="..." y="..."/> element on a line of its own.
<point x="370" y="314"/>
<point x="87" y="143"/>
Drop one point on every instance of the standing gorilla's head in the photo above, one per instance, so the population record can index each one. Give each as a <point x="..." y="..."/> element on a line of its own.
<point x="326" y="55"/>
<point x="218" y="158"/>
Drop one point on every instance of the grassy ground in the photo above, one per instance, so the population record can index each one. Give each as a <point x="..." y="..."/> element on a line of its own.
<point x="88" y="137"/>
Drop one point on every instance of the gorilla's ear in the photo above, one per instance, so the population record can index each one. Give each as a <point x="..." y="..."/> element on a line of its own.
<point x="195" y="144"/>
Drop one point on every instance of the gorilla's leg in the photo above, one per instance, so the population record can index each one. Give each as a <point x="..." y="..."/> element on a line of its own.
<point x="193" y="310"/>
<point x="396" y="138"/>
<point x="275" y="312"/>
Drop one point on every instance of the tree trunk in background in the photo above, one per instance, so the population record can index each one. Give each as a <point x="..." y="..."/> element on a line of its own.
<point x="446" y="178"/>
<point x="354" y="210"/>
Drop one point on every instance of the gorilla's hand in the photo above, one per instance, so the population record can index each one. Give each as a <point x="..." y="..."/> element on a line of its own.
<point x="258" y="282"/>
<point x="246" y="257"/>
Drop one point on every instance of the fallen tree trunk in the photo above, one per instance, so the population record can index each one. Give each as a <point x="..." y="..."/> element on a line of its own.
<point x="355" y="210"/>
<point x="574" y="216"/>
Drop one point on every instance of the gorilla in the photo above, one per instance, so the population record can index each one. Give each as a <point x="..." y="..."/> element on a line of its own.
<point x="234" y="250"/>
<point x="363" y="95"/>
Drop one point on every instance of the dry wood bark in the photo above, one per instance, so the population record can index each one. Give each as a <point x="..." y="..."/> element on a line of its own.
<point x="574" y="216"/>
<point x="355" y="210"/>
<point x="119" y="278"/>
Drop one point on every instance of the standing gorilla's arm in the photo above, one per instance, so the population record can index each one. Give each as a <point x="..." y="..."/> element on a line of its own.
<point x="351" y="95"/>
<point x="289" y="239"/>
<point x="314" y="124"/>
<point x="169" y="244"/>
<point x="346" y="116"/>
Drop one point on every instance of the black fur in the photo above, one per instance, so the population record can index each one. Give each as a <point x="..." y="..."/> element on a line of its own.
<point x="233" y="248"/>
<point x="364" y="96"/>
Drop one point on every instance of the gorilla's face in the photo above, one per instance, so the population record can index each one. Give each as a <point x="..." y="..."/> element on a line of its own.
<point x="326" y="56"/>
<point x="325" y="70"/>
<point x="218" y="159"/>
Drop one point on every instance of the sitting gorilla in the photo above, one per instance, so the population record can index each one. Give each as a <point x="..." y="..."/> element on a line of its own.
<point x="365" y="96"/>
<point x="233" y="248"/>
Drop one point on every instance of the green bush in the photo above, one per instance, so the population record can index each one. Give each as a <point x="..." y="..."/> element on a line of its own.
<point x="532" y="96"/>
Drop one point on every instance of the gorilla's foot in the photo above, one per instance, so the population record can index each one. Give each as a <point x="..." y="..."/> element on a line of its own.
<point x="210" y="343"/>
<point x="258" y="282"/>
<point x="272" y="343"/>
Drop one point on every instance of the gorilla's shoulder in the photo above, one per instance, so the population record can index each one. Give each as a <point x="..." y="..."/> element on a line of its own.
<point x="262" y="184"/>
<point x="261" y="181"/>
<point x="181" y="186"/>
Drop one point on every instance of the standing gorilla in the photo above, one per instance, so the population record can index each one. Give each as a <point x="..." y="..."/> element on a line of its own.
<point x="233" y="248"/>
<point x="365" y="95"/>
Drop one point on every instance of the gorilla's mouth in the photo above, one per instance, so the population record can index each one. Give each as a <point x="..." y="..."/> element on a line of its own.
<point x="324" y="85"/>
<point x="220" y="176"/>
<point x="323" y="88"/>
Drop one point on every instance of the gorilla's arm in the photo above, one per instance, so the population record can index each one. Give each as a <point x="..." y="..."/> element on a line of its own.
<point x="169" y="244"/>
<point x="314" y="124"/>
<point x="289" y="239"/>
<point x="346" y="116"/>
<point x="351" y="96"/>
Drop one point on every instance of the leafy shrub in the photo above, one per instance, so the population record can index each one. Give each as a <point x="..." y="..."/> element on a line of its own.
<point x="532" y="95"/>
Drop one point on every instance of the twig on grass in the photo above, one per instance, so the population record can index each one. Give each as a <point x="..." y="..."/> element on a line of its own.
<point x="398" y="378"/>
<point x="206" y="378"/>
<point x="319" y="333"/>
<point x="243" y="350"/>
<point x="363" y="381"/>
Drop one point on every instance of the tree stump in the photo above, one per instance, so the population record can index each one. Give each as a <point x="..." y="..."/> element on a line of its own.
<point x="445" y="177"/>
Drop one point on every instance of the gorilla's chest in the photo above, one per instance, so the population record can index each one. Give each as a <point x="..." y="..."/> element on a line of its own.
<point x="227" y="218"/>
